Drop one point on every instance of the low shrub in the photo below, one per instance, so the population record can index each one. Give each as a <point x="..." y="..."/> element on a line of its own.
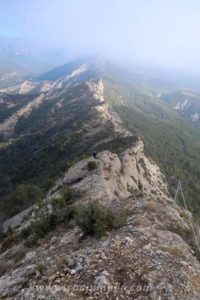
<point x="3" y="268"/>
<point x="41" y="268"/>
<point x="58" y="202"/>
<point x="92" y="165"/>
<point x="67" y="197"/>
<point x="38" y="229"/>
<point x="174" y="250"/>
<point x="138" y="194"/>
<point x="42" y="227"/>
<point x="151" y="206"/>
<point x="26" y="232"/>
<point x="184" y="231"/>
<point x="116" y="219"/>
<point x="7" y="242"/>
<point x="183" y="212"/>
<point x="31" y="242"/>
<point x="140" y="221"/>
<point x="2" y="235"/>
<point x="64" y="212"/>
<point x="95" y="219"/>
<point x="65" y="215"/>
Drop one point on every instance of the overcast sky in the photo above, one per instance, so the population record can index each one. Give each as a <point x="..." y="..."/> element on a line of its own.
<point x="159" y="32"/>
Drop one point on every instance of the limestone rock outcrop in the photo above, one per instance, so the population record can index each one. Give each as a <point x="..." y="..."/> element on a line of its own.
<point x="151" y="257"/>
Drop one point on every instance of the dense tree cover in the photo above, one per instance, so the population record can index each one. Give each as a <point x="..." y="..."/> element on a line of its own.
<point x="9" y="104"/>
<point x="23" y="196"/>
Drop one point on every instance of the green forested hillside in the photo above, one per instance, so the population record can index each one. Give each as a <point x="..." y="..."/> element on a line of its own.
<point x="172" y="141"/>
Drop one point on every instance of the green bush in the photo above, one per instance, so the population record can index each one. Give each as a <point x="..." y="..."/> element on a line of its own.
<point x="31" y="241"/>
<point x="2" y="235"/>
<point x="95" y="219"/>
<point x="26" y="232"/>
<point x="66" y="198"/>
<point x="68" y="194"/>
<point x="116" y="219"/>
<point x="92" y="165"/>
<point x="42" y="227"/>
<point x="38" y="229"/>
<point x="41" y="268"/>
<point x="8" y="242"/>
<point x="58" y="202"/>
<point x="64" y="215"/>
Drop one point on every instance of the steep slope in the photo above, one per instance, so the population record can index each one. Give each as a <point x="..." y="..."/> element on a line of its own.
<point x="51" y="131"/>
<point x="147" y="258"/>
<point x="103" y="228"/>
<point x="170" y="139"/>
<point x="68" y="112"/>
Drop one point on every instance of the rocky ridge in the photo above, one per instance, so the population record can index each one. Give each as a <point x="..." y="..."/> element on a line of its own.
<point x="148" y="258"/>
<point x="151" y="256"/>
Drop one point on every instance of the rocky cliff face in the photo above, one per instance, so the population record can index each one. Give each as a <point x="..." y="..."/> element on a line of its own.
<point x="116" y="177"/>
<point x="186" y="102"/>
<point x="150" y="257"/>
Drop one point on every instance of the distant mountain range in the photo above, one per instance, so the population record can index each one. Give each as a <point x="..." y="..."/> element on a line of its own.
<point x="22" y="58"/>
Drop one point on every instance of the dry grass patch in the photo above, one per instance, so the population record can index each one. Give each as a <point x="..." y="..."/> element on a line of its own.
<point x="138" y="194"/>
<point x="183" y="213"/>
<point x="151" y="206"/>
<point x="195" y="281"/>
<point x="174" y="250"/>
<point x="141" y="222"/>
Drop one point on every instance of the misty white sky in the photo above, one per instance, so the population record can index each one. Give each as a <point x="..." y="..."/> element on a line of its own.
<point x="158" y="32"/>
